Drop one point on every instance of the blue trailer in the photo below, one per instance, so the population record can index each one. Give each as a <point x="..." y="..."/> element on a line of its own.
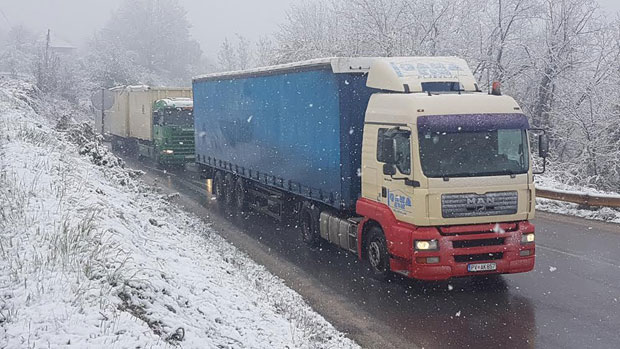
<point x="294" y="129"/>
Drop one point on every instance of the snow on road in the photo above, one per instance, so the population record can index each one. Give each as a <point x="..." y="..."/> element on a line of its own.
<point x="90" y="256"/>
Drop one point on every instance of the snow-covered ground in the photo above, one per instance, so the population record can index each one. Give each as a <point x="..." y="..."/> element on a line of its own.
<point x="607" y="214"/>
<point x="90" y="256"/>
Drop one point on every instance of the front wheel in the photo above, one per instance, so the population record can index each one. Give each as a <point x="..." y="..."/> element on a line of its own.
<point x="377" y="254"/>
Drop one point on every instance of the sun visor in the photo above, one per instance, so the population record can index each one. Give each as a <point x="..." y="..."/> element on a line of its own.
<point x="471" y="122"/>
<point x="410" y="74"/>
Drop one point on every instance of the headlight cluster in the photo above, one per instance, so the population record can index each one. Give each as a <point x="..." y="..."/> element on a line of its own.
<point x="527" y="238"/>
<point x="426" y="245"/>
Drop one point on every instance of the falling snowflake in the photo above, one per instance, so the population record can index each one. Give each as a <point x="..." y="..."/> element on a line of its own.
<point x="498" y="229"/>
<point x="250" y="118"/>
<point x="450" y="287"/>
<point x="458" y="313"/>
<point x="552" y="269"/>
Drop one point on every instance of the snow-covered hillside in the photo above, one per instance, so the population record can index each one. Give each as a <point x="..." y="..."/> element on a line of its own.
<point x="90" y="256"/>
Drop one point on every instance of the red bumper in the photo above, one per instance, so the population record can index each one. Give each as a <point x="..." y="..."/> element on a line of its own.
<point x="459" y="245"/>
<point x="503" y="248"/>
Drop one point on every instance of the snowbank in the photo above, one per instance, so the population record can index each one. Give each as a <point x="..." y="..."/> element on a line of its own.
<point x="90" y="256"/>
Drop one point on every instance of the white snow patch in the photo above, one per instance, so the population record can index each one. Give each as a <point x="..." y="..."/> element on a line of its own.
<point x="498" y="229"/>
<point x="92" y="257"/>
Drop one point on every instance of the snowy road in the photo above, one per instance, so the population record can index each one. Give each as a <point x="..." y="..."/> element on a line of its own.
<point x="571" y="299"/>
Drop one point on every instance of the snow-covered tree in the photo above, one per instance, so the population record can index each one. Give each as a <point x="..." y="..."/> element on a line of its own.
<point x="146" y="41"/>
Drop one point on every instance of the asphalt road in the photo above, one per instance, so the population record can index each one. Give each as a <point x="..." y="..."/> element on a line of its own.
<point x="570" y="300"/>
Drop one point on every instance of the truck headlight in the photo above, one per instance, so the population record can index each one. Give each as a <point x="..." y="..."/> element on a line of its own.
<point x="426" y="245"/>
<point x="167" y="151"/>
<point x="528" y="238"/>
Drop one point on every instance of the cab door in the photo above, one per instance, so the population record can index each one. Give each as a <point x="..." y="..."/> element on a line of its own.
<point x="394" y="149"/>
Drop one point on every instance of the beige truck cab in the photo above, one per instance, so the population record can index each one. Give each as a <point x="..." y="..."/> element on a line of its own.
<point x="446" y="172"/>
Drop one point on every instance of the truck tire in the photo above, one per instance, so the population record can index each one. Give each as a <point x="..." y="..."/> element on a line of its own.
<point x="309" y="220"/>
<point x="241" y="196"/>
<point x="377" y="254"/>
<point x="220" y="190"/>
<point x="230" y="197"/>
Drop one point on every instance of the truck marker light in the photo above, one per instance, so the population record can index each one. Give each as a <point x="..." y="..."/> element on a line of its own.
<point x="426" y="245"/>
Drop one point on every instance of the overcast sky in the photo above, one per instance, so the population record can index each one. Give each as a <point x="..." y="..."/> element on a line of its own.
<point x="212" y="20"/>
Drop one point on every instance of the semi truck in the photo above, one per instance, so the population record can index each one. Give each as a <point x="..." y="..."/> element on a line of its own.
<point x="153" y="122"/>
<point x="402" y="161"/>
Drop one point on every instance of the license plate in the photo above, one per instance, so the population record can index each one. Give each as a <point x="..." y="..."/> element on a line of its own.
<point x="481" y="267"/>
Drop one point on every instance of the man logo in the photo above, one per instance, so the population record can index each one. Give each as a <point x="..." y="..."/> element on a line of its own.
<point x="480" y="203"/>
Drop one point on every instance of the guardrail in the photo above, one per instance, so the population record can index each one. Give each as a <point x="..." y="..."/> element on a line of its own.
<point x="579" y="198"/>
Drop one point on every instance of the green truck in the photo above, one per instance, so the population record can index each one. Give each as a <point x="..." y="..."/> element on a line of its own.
<point x="173" y="132"/>
<point x="152" y="122"/>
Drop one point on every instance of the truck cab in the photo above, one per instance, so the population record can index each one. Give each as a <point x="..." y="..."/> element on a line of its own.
<point x="173" y="130"/>
<point x="446" y="173"/>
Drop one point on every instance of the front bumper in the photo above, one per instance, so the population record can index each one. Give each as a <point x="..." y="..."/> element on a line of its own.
<point x="458" y="250"/>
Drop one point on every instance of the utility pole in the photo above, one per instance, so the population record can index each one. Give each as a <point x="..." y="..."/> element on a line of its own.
<point x="102" y="110"/>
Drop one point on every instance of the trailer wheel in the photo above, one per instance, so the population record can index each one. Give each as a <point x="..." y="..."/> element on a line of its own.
<point x="229" y="188"/>
<point x="309" y="228"/>
<point x="377" y="254"/>
<point x="220" y="190"/>
<point x="241" y="196"/>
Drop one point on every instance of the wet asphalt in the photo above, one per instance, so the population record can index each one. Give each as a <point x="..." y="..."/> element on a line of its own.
<point x="570" y="300"/>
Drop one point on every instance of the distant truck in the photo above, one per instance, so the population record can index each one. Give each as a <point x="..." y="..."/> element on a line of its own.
<point x="154" y="122"/>
<point x="402" y="161"/>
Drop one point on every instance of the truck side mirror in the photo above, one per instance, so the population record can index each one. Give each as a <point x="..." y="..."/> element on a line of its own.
<point x="389" y="169"/>
<point x="543" y="145"/>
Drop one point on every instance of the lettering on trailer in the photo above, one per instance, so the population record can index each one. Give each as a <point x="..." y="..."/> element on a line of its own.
<point x="430" y="70"/>
<point x="399" y="202"/>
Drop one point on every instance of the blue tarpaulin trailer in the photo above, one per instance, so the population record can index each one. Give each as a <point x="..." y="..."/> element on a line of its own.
<point x="295" y="128"/>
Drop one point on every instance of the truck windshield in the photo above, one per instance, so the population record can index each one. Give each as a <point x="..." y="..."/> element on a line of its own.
<point x="474" y="153"/>
<point x="174" y="117"/>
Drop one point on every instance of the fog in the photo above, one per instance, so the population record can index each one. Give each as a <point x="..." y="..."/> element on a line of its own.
<point x="212" y="20"/>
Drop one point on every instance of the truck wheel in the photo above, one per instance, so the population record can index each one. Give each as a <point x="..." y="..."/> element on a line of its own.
<point x="377" y="254"/>
<point x="309" y="228"/>
<point x="229" y="188"/>
<point x="241" y="196"/>
<point x="220" y="190"/>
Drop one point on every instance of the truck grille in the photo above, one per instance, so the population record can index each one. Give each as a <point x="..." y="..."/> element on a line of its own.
<point x="474" y="205"/>
<point x="477" y="243"/>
